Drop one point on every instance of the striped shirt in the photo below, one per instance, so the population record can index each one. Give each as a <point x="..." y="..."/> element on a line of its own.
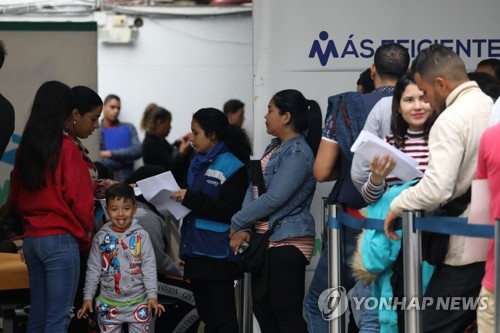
<point x="304" y="243"/>
<point x="416" y="147"/>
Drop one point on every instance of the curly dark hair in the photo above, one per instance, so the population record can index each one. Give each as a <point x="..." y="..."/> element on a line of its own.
<point x="213" y="121"/>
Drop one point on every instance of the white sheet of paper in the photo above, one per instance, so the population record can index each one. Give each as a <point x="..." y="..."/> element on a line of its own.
<point x="157" y="190"/>
<point x="367" y="145"/>
<point x="137" y="191"/>
<point x="475" y="247"/>
<point x="103" y="205"/>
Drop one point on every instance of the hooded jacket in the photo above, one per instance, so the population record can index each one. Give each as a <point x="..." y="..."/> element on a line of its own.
<point x="124" y="264"/>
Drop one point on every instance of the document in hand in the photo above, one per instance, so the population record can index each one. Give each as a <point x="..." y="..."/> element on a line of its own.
<point x="157" y="190"/>
<point x="368" y="145"/>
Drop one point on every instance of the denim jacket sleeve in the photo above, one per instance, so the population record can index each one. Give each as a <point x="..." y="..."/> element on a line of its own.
<point x="284" y="177"/>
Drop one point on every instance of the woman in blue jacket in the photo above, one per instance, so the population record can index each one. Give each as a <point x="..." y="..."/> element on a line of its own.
<point x="216" y="184"/>
<point x="287" y="166"/>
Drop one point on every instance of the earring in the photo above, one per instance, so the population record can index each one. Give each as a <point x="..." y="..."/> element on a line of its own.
<point x="74" y="122"/>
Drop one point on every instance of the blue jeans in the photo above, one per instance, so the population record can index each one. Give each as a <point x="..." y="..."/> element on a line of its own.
<point x="54" y="268"/>
<point x="315" y="321"/>
<point x="366" y="319"/>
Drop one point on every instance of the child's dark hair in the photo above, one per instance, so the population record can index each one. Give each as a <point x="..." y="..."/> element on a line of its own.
<point x="120" y="191"/>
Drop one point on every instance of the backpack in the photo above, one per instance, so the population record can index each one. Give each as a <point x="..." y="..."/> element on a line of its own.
<point x="345" y="118"/>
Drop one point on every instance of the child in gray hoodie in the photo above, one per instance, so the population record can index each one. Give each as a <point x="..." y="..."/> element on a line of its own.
<point x="122" y="260"/>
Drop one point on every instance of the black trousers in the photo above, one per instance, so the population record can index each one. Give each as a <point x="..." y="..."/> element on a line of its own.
<point x="280" y="310"/>
<point x="216" y="304"/>
<point x="453" y="281"/>
<point x="447" y="281"/>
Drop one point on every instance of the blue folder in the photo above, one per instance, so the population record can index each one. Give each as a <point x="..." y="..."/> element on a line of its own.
<point x="116" y="137"/>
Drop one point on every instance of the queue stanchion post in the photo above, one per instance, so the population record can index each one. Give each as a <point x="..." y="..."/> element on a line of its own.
<point x="247" y="319"/>
<point x="324" y="218"/>
<point x="497" y="275"/>
<point x="336" y="325"/>
<point x="412" y="264"/>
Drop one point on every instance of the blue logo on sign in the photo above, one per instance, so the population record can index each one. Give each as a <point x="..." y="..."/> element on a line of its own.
<point x="354" y="47"/>
<point x="317" y="49"/>
<point x="324" y="48"/>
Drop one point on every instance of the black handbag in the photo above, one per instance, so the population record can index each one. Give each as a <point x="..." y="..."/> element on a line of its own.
<point x="435" y="245"/>
<point x="252" y="260"/>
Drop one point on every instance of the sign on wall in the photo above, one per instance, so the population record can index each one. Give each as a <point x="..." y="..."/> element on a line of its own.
<point x="320" y="47"/>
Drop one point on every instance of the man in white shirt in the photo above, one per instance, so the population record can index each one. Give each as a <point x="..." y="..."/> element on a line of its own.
<point x="453" y="148"/>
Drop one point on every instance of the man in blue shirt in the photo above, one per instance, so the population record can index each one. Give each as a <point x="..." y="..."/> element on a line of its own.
<point x="118" y="141"/>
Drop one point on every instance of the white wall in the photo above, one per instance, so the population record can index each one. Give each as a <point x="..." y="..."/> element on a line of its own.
<point x="182" y="64"/>
<point x="51" y="54"/>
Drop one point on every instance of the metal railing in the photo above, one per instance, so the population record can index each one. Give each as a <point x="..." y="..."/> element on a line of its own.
<point x="412" y="224"/>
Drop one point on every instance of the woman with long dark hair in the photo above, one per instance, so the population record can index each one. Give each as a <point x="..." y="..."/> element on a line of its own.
<point x="411" y="122"/>
<point x="82" y="122"/>
<point x="216" y="184"/>
<point x="287" y="167"/>
<point x="373" y="262"/>
<point x="52" y="193"/>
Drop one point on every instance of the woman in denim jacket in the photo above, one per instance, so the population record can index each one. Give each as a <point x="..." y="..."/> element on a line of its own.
<point x="287" y="169"/>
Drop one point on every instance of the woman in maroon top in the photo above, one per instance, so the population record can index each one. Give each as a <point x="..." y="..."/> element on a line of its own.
<point x="52" y="193"/>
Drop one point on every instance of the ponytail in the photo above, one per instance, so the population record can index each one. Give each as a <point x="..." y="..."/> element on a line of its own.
<point x="313" y="132"/>
<point x="146" y="116"/>
<point x="306" y="115"/>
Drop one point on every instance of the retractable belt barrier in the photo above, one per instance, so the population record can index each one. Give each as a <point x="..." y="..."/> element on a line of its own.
<point x="412" y="225"/>
<point x="439" y="224"/>
<point x="344" y="219"/>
